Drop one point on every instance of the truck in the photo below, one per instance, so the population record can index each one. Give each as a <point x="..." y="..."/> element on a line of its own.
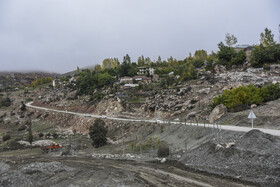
<point x="51" y="148"/>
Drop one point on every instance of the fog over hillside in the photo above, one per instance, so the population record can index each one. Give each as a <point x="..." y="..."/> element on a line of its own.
<point x="58" y="36"/>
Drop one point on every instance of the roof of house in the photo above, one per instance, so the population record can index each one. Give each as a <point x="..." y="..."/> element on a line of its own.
<point x="131" y="85"/>
<point x="142" y="77"/>
<point x="243" y="46"/>
<point x="143" y="67"/>
<point x="126" y="78"/>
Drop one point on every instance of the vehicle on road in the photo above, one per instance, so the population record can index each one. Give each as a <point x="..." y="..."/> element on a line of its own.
<point x="51" y="148"/>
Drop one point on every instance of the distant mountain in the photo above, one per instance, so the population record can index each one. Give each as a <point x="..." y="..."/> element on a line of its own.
<point x="16" y="79"/>
<point x="72" y="73"/>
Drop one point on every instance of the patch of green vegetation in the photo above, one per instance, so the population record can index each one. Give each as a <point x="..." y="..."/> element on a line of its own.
<point x="22" y="152"/>
<point x="151" y="143"/>
<point x="240" y="98"/>
<point x="5" y="144"/>
<point x="41" y="81"/>
<point x="135" y="99"/>
<point x="97" y="97"/>
<point x="228" y="56"/>
<point x="39" y="126"/>
<point x="27" y="100"/>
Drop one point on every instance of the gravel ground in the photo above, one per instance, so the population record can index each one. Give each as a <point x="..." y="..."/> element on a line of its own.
<point x="252" y="156"/>
<point x="84" y="171"/>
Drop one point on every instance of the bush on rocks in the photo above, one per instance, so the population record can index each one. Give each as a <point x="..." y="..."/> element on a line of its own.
<point x="98" y="133"/>
<point x="6" y="137"/>
<point x="21" y="128"/>
<point x="163" y="150"/>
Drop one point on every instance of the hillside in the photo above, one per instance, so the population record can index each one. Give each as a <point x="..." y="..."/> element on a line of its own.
<point x="17" y="79"/>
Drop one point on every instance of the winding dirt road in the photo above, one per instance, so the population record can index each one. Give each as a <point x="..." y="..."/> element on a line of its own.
<point x="221" y="127"/>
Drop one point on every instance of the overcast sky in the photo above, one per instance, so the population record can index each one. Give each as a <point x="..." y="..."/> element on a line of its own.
<point x="59" y="35"/>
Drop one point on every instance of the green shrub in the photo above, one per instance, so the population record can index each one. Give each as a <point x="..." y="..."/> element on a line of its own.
<point x="240" y="98"/>
<point x="198" y="63"/>
<point x="42" y="81"/>
<point x="98" y="133"/>
<point x="97" y="96"/>
<point x="55" y="135"/>
<point x="28" y="100"/>
<point x="163" y="150"/>
<point x="265" y="55"/>
<point x="6" y="137"/>
<point x="41" y="135"/>
<point x="30" y="137"/>
<point x="228" y="56"/>
<point x="22" y="107"/>
<point x="22" y="127"/>
<point x="5" y="102"/>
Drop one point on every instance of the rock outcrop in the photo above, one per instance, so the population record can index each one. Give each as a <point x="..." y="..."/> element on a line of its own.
<point x="217" y="113"/>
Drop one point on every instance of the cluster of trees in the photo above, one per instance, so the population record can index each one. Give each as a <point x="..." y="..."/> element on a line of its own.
<point x="267" y="52"/>
<point x="88" y="80"/>
<point x="227" y="55"/>
<point x="65" y="78"/>
<point x="111" y="70"/>
<point x="240" y="98"/>
<point x="41" y="81"/>
<point x="98" y="133"/>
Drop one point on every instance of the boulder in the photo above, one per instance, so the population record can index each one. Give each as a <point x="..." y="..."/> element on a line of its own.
<point x="191" y="115"/>
<point x="217" y="113"/>
<point x="254" y="106"/>
<point x="204" y="91"/>
<point x="218" y="147"/>
<point x="230" y="144"/>
<point x="163" y="160"/>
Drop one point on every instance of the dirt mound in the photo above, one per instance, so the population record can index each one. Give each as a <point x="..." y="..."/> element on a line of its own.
<point x="46" y="168"/>
<point x="255" y="133"/>
<point x="13" y="145"/>
<point x="252" y="156"/>
<point x="33" y="174"/>
<point x="259" y="142"/>
<point x="4" y="167"/>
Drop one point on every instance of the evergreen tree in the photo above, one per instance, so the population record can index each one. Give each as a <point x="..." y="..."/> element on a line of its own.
<point x="267" y="38"/>
<point x="230" y="40"/>
<point x="98" y="133"/>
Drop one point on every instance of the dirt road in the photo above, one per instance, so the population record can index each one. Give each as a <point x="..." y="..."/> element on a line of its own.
<point x="227" y="127"/>
<point x="85" y="171"/>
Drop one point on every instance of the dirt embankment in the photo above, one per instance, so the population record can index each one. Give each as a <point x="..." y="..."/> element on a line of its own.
<point x="95" y="172"/>
<point x="268" y="116"/>
<point x="252" y="156"/>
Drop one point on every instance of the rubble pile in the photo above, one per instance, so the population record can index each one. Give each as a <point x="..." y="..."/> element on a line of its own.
<point x="253" y="156"/>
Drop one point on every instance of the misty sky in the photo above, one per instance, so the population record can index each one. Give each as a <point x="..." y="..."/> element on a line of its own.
<point x="59" y="35"/>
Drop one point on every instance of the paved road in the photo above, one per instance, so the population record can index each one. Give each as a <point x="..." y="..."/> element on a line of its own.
<point x="222" y="127"/>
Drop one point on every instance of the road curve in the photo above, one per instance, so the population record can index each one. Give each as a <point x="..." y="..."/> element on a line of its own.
<point x="219" y="127"/>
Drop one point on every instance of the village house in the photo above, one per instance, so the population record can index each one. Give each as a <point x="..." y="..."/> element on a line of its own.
<point x="247" y="48"/>
<point x="142" y="79"/>
<point x="145" y="71"/>
<point x="131" y="85"/>
<point x="127" y="80"/>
